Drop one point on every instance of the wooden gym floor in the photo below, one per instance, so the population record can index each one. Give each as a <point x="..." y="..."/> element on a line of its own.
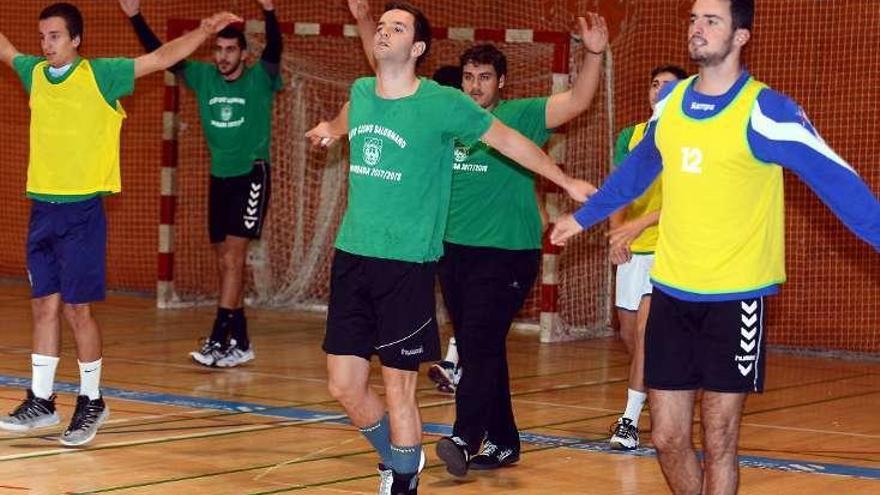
<point x="271" y="427"/>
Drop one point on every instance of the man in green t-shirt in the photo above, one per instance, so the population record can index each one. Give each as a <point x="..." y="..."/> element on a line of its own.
<point x="235" y="105"/>
<point x="76" y="119"/>
<point x="633" y="238"/>
<point x="492" y="246"/>
<point x="402" y="132"/>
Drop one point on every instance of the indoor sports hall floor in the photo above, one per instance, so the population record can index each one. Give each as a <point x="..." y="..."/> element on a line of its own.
<point x="271" y="427"/>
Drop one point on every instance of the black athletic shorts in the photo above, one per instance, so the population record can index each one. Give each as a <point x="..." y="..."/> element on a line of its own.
<point x="717" y="346"/>
<point x="238" y="205"/>
<point x="384" y="307"/>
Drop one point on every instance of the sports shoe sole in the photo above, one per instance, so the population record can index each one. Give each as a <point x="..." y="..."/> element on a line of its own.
<point x="104" y="416"/>
<point x="452" y="455"/>
<point x="437" y="374"/>
<point x="199" y="358"/>
<point x="50" y="421"/>
<point x="221" y="364"/>
<point x="508" y="461"/>
<point x="617" y="445"/>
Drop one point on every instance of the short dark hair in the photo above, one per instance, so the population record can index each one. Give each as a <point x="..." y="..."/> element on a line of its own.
<point x="72" y="17"/>
<point x="421" y="26"/>
<point x="234" y="33"/>
<point x="742" y="12"/>
<point x="448" y="75"/>
<point x="675" y="70"/>
<point x="485" y="54"/>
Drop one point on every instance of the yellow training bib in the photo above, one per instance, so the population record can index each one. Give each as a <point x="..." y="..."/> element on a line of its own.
<point x="74" y="135"/>
<point x="723" y="220"/>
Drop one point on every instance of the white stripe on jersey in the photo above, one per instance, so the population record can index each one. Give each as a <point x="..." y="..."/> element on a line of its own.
<point x="792" y="131"/>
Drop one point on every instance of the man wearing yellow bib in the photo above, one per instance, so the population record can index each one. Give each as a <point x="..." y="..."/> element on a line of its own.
<point x="633" y="239"/>
<point x="76" y="119"/>
<point x="718" y="141"/>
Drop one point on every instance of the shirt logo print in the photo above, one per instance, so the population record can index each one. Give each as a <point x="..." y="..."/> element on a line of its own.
<point x="372" y="151"/>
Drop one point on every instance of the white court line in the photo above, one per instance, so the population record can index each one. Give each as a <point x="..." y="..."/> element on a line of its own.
<point x="190" y="436"/>
<point x="811" y="430"/>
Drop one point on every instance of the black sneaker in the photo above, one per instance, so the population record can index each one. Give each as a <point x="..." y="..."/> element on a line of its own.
<point x="625" y="435"/>
<point x="405" y="484"/>
<point x="454" y="452"/>
<point x="88" y="417"/>
<point x="33" y="412"/>
<point x="492" y="456"/>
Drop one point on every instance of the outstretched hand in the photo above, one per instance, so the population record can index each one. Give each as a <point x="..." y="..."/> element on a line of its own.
<point x="130" y="7"/>
<point x="216" y="23"/>
<point x="579" y="190"/>
<point x="595" y="34"/>
<point x="564" y="228"/>
<point x="360" y="9"/>
<point x="322" y="135"/>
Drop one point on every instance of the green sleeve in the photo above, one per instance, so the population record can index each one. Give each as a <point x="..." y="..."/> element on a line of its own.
<point x="24" y="67"/>
<point x="194" y="74"/>
<point x="621" y="146"/>
<point x="466" y="120"/>
<point x="115" y="77"/>
<point x="532" y="121"/>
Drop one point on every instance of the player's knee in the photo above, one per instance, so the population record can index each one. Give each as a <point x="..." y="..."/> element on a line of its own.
<point x="670" y="440"/>
<point x="720" y="443"/>
<point x="344" y="390"/>
<point x="77" y="315"/>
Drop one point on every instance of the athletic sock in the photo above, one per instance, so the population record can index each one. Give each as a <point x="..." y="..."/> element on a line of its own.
<point x="239" y="329"/>
<point x="90" y="379"/>
<point x="379" y="436"/>
<point x="452" y="352"/>
<point x="43" y="375"/>
<point x="406" y="460"/>
<point x="635" y="400"/>
<point x="220" y="332"/>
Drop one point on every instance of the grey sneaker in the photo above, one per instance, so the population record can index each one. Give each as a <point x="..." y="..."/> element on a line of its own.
<point x="210" y="352"/>
<point x="386" y="479"/>
<point x="235" y="356"/>
<point x="626" y="435"/>
<point x="33" y="412"/>
<point x="88" y="417"/>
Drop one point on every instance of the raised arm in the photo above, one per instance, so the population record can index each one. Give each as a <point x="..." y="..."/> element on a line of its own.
<point x="176" y="50"/>
<point x="360" y="10"/>
<point x="526" y="153"/>
<point x="779" y="132"/>
<point x="562" y="107"/>
<point x="328" y="132"/>
<point x="7" y="51"/>
<point x="271" y="57"/>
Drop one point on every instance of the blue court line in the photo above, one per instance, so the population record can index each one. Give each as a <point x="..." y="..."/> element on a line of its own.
<point x="297" y="414"/>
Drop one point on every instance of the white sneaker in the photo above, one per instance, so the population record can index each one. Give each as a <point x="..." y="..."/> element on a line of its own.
<point x="235" y="356"/>
<point x="626" y="435"/>
<point x="208" y="353"/>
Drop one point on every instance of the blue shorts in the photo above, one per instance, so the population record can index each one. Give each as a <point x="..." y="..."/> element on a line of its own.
<point x="66" y="250"/>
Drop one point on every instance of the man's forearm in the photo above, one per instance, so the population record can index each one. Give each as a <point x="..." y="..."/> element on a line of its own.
<point x="274" y="42"/>
<point x="145" y="35"/>
<point x="7" y="51"/>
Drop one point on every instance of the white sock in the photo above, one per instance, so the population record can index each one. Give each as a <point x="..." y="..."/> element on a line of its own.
<point x="634" y="402"/>
<point x="452" y="352"/>
<point x="43" y="375"/>
<point x="90" y="379"/>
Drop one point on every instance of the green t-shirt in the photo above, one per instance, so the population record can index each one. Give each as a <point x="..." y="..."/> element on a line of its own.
<point x="399" y="176"/>
<point x="115" y="79"/>
<point x="236" y="115"/>
<point x="621" y="145"/>
<point x="493" y="198"/>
